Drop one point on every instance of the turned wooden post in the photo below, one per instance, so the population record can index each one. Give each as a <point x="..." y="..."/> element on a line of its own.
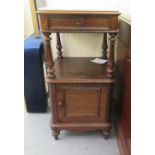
<point x="59" y="46"/>
<point x="48" y="55"/>
<point x="110" y="63"/>
<point x="104" y="47"/>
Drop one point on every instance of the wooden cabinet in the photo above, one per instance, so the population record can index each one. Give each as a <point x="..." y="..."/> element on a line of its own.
<point x="80" y="90"/>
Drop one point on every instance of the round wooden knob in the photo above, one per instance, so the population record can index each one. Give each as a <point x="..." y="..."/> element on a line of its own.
<point x="60" y="103"/>
<point x="78" y="23"/>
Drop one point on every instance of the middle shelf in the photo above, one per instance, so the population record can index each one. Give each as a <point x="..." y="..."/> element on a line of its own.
<point x="79" y="69"/>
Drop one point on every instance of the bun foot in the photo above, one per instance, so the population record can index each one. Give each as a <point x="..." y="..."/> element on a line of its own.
<point x="56" y="134"/>
<point x="106" y="134"/>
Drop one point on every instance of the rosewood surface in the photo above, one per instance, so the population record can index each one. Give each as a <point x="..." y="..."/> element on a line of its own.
<point x="123" y="88"/>
<point x="80" y="90"/>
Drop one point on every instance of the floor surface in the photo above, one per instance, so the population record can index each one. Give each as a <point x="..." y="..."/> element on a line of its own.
<point x="39" y="141"/>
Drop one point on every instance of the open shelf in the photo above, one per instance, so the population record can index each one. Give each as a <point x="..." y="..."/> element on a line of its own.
<point x="79" y="69"/>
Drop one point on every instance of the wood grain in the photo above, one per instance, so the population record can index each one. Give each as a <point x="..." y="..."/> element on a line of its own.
<point x="75" y="22"/>
<point x="123" y="86"/>
<point x="81" y="89"/>
<point x="79" y="69"/>
<point x="78" y="12"/>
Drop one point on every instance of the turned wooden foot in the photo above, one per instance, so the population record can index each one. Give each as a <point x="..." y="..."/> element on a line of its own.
<point x="55" y="134"/>
<point x="106" y="134"/>
<point x="106" y="131"/>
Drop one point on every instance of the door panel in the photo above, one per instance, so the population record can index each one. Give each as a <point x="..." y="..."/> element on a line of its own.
<point x="81" y="102"/>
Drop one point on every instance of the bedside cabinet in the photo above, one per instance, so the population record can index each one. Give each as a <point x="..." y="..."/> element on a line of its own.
<point x="80" y="90"/>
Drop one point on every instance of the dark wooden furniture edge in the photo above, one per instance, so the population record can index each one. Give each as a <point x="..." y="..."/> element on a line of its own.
<point x="81" y="30"/>
<point x="121" y="141"/>
<point x="123" y="58"/>
<point x="86" y="126"/>
<point x="77" y="12"/>
<point x="80" y="81"/>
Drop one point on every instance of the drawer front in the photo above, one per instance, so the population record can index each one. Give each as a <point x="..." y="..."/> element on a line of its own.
<point x="75" y="23"/>
<point x="82" y="102"/>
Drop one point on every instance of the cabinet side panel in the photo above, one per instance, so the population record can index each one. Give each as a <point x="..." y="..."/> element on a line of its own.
<point x="52" y="92"/>
<point x="105" y="103"/>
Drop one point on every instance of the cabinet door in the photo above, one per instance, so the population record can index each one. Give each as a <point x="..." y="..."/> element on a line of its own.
<point x="82" y="102"/>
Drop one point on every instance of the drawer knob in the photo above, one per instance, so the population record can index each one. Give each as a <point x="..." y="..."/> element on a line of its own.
<point x="78" y="23"/>
<point x="60" y="103"/>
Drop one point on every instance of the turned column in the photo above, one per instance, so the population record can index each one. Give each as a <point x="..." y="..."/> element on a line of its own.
<point x="110" y="64"/>
<point x="104" y="47"/>
<point x="59" y="46"/>
<point x="48" y="55"/>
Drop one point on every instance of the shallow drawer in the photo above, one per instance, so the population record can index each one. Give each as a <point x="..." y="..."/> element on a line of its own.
<point x="76" y="22"/>
<point x="60" y="23"/>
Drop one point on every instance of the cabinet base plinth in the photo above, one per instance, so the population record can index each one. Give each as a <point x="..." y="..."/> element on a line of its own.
<point x="81" y="127"/>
